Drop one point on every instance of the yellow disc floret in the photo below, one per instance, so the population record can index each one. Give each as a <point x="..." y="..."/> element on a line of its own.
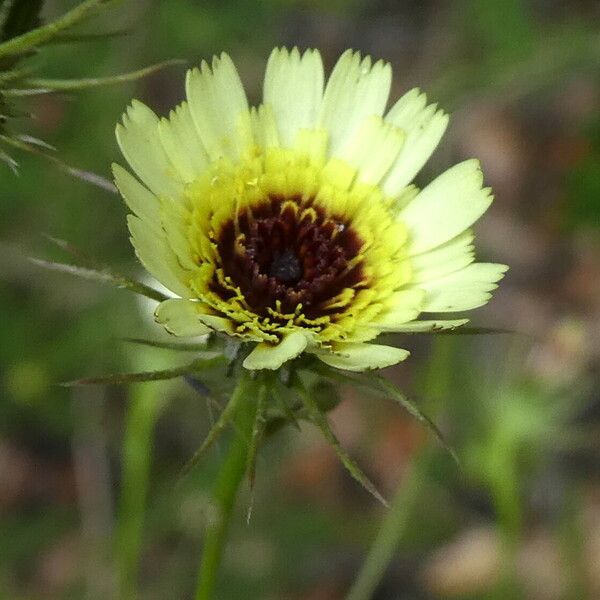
<point x="346" y="252"/>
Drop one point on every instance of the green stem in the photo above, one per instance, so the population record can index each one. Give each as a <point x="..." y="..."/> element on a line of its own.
<point x="391" y="532"/>
<point x="146" y="405"/>
<point x="226" y="488"/>
<point x="504" y="488"/>
<point x="65" y="85"/>
<point x="572" y="538"/>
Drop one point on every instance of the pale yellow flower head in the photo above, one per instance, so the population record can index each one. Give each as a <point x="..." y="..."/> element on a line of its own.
<point x="293" y="225"/>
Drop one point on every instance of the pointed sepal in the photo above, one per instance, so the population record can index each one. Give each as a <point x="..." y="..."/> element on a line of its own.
<point x="321" y="421"/>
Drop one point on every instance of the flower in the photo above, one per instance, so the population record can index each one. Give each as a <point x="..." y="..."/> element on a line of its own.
<point x="294" y="225"/>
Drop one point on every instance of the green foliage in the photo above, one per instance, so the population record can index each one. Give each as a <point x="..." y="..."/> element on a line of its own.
<point x="582" y="202"/>
<point x="21" y="16"/>
<point x="489" y="22"/>
<point x="22" y="35"/>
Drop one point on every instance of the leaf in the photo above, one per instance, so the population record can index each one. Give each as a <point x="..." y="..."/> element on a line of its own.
<point x="215" y="431"/>
<point x="103" y="276"/>
<point x="25" y="92"/>
<point x="75" y="252"/>
<point x="380" y="385"/>
<point x="29" y="139"/>
<point x="167" y="345"/>
<point x="86" y="176"/>
<point x="10" y="161"/>
<point x="73" y="38"/>
<point x="14" y="74"/>
<point x="122" y="378"/>
<point x="463" y="330"/>
<point x="321" y="421"/>
<point x="257" y="431"/>
<point x="395" y="393"/>
<point x="41" y="35"/>
<point x="64" y="85"/>
<point x="284" y="404"/>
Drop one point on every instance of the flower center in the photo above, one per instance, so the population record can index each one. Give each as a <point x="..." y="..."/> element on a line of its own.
<point x="288" y="256"/>
<point x="286" y="266"/>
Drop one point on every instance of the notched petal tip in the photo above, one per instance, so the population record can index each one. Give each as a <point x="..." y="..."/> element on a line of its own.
<point x="273" y="356"/>
<point x="180" y="318"/>
<point x="359" y="357"/>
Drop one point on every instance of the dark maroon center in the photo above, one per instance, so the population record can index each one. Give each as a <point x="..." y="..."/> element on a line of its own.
<point x="280" y="251"/>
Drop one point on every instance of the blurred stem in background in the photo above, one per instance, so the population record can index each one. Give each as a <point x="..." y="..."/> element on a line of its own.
<point x="491" y="458"/>
<point x="504" y="486"/>
<point x="391" y="531"/>
<point x="145" y="406"/>
<point x="437" y="382"/>
<point x="146" y="403"/>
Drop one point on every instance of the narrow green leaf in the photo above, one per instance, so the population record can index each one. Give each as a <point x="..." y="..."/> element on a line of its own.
<point x="64" y="85"/>
<point x="284" y="404"/>
<point x="215" y="431"/>
<point x="29" y="139"/>
<point x="104" y="276"/>
<point x="122" y="378"/>
<point x="321" y="421"/>
<point x="87" y="176"/>
<point x="382" y="386"/>
<point x="83" y="175"/>
<point x="396" y="394"/>
<point x="91" y="36"/>
<point x="75" y="252"/>
<point x="182" y="347"/>
<point x="41" y="35"/>
<point x="462" y="330"/>
<point x="26" y="92"/>
<point x="258" y="430"/>
<point x="10" y="161"/>
<point x="15" y="74"/>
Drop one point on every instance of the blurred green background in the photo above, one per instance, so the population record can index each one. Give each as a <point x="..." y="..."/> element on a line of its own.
<point x="522" y="520"/>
